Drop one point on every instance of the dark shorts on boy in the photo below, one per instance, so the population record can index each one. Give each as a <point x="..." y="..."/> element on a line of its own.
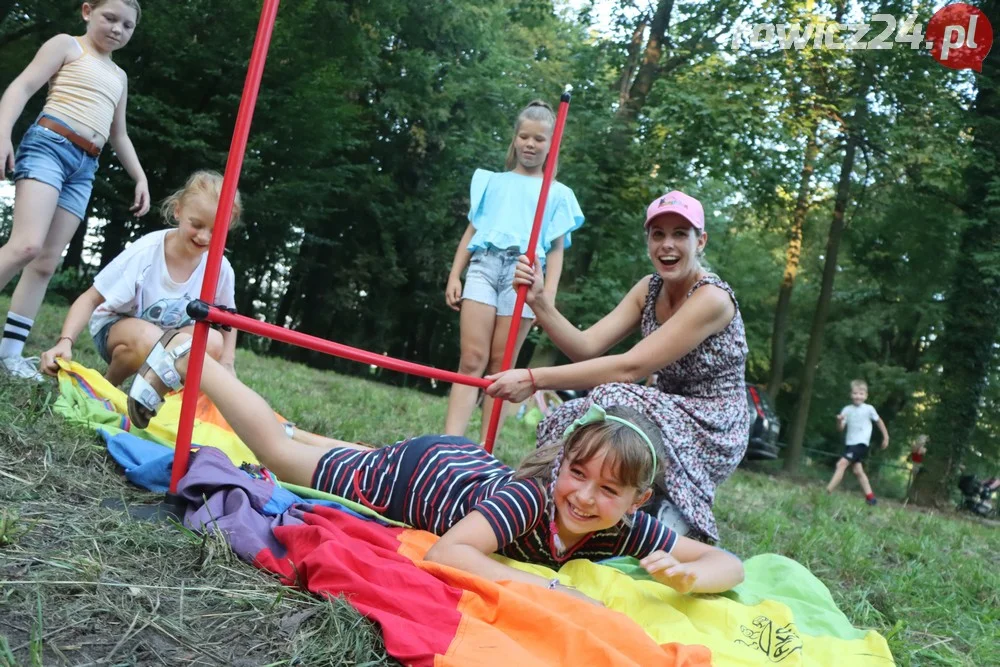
<point x="855" y="453"/>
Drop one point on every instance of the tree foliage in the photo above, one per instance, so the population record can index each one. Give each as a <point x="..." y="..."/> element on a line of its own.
<point x="372" y="117"/>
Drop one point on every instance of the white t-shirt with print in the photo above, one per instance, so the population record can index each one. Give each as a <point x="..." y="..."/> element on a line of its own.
<point x="859" y="420"/>
<point x="137" y="284"/>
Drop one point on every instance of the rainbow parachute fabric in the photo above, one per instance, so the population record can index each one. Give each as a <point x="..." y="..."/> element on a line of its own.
<point x="434" y="615"/>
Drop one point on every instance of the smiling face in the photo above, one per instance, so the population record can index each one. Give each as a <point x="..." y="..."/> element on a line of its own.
<point x="859" y="394"/>
<point x="531" y="145"/>
<point x="195" y="215"/>
<point x="590" y="496"/>
<point x="673" y="245"/>
<point x="110" y="24"/>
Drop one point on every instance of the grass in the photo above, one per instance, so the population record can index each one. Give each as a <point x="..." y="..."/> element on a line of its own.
<point x="79" y="584"/>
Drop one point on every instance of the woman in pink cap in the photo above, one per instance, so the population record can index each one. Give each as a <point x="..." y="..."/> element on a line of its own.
<point x="693" y="343"/>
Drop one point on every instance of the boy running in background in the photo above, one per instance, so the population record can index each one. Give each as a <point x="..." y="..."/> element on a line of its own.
<point x="857" y="419"/>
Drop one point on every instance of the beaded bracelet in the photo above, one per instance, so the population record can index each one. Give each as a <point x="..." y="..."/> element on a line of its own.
<point x="71" y="341"/>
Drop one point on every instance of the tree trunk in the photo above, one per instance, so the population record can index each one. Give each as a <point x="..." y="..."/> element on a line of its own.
<point x="649" y="70"/>
<point x="793" y="455"/>
<point x="116" y="235"/>
<point x="971" y="321"/>
<point x="793" y="255"/>
<point x="632" y="60"/>
<point x="543" y="355"/>
<point x="5" y="7"/>
<point x="74" y="253"/>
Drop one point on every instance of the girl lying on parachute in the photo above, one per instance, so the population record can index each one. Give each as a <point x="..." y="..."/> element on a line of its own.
<point x="579" y="498"/>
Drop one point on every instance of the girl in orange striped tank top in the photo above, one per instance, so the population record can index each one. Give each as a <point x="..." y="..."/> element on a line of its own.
<point x="55" y="163"/>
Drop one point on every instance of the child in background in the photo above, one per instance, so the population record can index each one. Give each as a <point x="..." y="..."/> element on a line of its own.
<point x="57" y="158"/>
<point x="917" y="450"/>
<point x="916" y="457"/>
<point x="145" y="290"/>
<point x="501" y="213"/>
<point x="857" y="419"/>
<point x="578" y="498"/>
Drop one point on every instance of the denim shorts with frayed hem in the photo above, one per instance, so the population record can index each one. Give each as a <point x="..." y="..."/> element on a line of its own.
<point x="490" y="280"/>
<point x="101" y="340"/>
<point x="52" y="159"/>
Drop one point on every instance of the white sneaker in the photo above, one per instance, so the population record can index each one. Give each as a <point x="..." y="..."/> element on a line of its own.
<point x="21" y="367"/>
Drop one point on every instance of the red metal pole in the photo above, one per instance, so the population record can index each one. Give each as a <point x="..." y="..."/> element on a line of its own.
<point x="232" y="176"/>
<point x="250" y="325"/>
<point x="522" y="292"/>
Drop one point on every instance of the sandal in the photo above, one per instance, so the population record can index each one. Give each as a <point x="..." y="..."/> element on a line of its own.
<point x="144" y="400"/>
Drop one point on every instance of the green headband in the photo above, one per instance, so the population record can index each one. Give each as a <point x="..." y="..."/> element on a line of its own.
<point x="597" y="414"/>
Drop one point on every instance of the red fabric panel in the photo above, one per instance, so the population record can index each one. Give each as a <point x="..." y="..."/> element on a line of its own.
<point x="335" y="553"/>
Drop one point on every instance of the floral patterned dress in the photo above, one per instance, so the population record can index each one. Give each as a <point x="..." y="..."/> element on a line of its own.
<point x="699" y="402"/>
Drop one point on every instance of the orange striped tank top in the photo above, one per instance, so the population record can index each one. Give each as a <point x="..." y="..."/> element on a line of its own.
<point x="86" y="90"/>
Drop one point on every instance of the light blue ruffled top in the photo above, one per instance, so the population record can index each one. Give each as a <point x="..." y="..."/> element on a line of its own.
<point x="502" y="208"/>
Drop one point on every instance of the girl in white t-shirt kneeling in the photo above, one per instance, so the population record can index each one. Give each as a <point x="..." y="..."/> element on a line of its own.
<point x="143" y="293"/>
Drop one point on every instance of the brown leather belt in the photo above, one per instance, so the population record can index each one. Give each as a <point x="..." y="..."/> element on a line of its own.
<point x="88" y="147"/>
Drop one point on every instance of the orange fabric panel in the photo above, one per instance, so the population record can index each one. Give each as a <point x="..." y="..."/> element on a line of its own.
<point x="206" y="411"/>
<point x="512" y="623"/>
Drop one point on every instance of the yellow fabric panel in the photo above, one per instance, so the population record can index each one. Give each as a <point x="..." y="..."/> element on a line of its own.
<point x="737" y="634"/>
<point x="210" y="429"/>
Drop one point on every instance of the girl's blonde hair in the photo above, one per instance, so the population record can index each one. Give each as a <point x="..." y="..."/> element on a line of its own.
<point x="627" y="453"/>
<point x="538" y="111"/>
<point x="134" y="4"/>
<point x="204" y="183"/>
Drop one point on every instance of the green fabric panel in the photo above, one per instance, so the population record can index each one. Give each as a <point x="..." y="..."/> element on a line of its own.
<point x="779" y="579"/>
<point x="308" y="492"/>
<point x="77" y="407"/>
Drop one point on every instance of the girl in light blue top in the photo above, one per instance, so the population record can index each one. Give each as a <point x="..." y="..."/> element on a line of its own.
<point x="501" y="212"/>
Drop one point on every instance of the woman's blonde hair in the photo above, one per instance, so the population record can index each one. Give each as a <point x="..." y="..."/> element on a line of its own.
<point x="627" y="452"/>
<point x="206" y="183"/>
<point x="538" y="111"/>
<point x="134" y="4"/>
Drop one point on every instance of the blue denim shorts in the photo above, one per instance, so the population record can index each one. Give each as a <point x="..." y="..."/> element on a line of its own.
<point x="52" y="159"/>
<point x="490" y="280"/>
<point x="101" y="340"/>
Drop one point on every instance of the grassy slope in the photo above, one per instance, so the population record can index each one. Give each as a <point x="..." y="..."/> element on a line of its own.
<point x="78" y="584"/>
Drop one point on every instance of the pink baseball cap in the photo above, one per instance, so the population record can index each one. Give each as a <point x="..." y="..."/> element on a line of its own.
<point x="683" y="205"/>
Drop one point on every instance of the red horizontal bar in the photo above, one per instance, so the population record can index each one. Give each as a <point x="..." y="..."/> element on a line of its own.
<point x="250" y="325"/>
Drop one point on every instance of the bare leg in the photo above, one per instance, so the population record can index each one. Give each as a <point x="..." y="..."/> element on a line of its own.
<point x="476" y="323"/>
<point x="30" y="290"/>
<point x="316" y="440"/>
<point x="253" y="421"/>
<point x="496" y="361"/>
<point x="859" y="472"/>
<point x="130" y="340"/>
<point x="838" y="474"/>
<point x="34" y="207"/>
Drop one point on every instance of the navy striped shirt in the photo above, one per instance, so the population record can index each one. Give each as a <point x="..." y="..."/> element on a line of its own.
<point x="433" y="481"/>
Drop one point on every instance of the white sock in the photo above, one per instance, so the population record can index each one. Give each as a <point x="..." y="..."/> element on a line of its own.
<point x="15" y="332"/>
